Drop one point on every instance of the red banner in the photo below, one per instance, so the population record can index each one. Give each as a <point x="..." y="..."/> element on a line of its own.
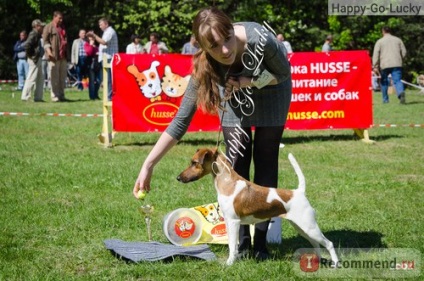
<point x="330" y="90"/>
<point x="148" y="90"/>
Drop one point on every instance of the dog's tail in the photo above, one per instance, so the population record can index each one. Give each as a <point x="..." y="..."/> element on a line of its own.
<point x="300" y="176"/>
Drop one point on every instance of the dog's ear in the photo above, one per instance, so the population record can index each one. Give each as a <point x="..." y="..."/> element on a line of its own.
<point x="206" y="155"/>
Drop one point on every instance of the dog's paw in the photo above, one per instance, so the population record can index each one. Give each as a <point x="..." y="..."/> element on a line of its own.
<point x="335" y="264"/>
<point x="230" y="261"/>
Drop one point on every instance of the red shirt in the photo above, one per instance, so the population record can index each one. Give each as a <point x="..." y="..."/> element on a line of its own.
<point x="63" y="43"/>
<point x="90" y="50"/>
<point x="154" y="49"/>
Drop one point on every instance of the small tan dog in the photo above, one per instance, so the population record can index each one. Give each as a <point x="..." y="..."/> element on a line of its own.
<point x="244" y="202"/>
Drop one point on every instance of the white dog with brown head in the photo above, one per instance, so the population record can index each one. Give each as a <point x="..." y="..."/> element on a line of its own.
<point x="244" y="202"/>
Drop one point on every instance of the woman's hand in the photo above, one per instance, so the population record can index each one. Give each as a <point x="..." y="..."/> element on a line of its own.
<point x="245" y="81"/>
<point x="162" y="146"/>
<point x="232" y="84"/>
<point x="143" y="181"/>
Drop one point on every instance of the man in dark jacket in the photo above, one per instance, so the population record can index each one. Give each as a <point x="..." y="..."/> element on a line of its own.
<point x="21" y="59"/>
<point x="34" y="52"/>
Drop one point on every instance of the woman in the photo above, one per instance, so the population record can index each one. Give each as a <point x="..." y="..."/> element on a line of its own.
<point x="92" y="51"/>
<point x="242" y="74"/>
<point x="135" y="47"/>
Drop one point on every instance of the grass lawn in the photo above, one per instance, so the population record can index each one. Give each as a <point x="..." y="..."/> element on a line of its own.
<point x="63" y="194"/>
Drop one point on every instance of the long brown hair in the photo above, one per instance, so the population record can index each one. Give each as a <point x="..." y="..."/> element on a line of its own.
<point x="206" y="69"/>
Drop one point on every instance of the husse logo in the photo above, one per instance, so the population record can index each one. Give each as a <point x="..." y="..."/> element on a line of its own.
<point x="219" y="230"/>
<point x="160" y="113"/>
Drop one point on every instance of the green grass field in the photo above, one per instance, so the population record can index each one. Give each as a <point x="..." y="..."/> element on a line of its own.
<point x="63" y="194"/>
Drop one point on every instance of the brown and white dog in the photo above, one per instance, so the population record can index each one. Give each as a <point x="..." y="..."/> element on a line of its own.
<point x="244" y="202"/>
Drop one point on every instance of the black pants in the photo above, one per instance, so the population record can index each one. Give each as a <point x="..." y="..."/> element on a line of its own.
<point x="264" y="150"/>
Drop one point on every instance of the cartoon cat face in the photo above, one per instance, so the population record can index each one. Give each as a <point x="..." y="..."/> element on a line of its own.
<point x="148" y="80"/>
<point x="185" y="226"/>
<point x="174" y="85"/>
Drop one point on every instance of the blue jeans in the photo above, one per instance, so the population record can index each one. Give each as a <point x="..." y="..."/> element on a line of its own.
<point x="22" y="68"/>
<point x="81" y="70"/>
<point x="396" y="73"/>
<point x="109" y="79"/>
<point x="45" y="67"/>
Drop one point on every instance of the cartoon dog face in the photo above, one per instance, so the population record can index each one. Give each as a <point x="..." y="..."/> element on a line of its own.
<point x="210" y="213"/>
<point x="148" y="80"/>
<point x="174" y="85"/>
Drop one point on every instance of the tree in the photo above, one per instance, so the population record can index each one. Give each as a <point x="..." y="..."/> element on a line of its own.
<point x="304" y="23"/>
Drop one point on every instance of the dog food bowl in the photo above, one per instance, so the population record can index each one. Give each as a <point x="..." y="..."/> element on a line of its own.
<point x="183" y="227"/>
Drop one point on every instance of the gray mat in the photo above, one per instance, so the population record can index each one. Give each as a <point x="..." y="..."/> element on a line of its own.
<point x="153" y="251"/>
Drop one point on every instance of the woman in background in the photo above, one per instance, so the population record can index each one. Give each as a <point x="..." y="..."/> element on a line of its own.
<point x="92" y="51"/>
<point x="135" y="47"/>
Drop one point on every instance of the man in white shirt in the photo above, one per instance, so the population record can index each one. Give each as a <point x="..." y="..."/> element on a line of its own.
<point x="108" y="47"/>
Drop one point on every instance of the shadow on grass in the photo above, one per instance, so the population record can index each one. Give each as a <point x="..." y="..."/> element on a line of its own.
<point x="285" y="140"/>
<point x="169" y="259"/>
<point x="413" y="102"/>
<point x="306" y="139"/>
<point x="198" y="143"/>
<point x="340" y="238"/>
<point x="74" y="100"/>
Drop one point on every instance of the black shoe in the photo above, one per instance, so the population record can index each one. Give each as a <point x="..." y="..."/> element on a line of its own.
<point x="261" y="255"/>
<point x="402" y="98"/>
<point x="244" y="254"/>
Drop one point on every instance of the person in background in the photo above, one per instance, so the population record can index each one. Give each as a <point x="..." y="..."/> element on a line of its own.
<point x="93" y="66"/>
<point x="45" y="67"/>
<point x="389" y="52"/>
<point x="375" y="79"/>
<point x="154" y="46"/>
<point x="34" y="52"/>
<point x="78" y="58"/>
<point x="55" y="45"/>
<point x="327" y="47"/>
<point x="108" y="47"/>
<point x="191" y="47"/>
<point x="221" y="84"/>
<point x="135" y="47"/>
<point x="20" y="58"/>
<point x="286" y="43"/>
